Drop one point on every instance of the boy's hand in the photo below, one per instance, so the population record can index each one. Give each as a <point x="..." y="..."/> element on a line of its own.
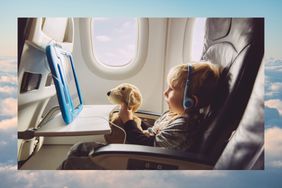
<point x="147" y="133"/>
<point x="125" y="114"/>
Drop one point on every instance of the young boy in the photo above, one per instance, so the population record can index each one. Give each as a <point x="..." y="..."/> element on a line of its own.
<point x="175" y="129"/>
<point x="178" y="127"/>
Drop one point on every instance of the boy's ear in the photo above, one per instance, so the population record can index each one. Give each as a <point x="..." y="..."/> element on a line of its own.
<point x="196" y="100"/>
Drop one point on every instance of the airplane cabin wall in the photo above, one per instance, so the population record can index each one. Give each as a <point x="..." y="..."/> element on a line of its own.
<point x="179" y="43"/>
<point x="169" y="44"/>
<point x="149" y="79"/>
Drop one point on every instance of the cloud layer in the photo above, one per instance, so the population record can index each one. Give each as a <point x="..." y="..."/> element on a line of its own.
<point x="273" y="147"/>
<point x="8" y="111"/>
<point x="275" y="104"/>
<point x="9" y="106"/>
<point x="10" y="177"/>
<point x="115" y="40"/>
<point x="8" y="64"/>
<point x="138" y="179"/>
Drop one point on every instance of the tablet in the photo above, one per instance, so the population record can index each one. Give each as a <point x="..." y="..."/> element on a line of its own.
<point x="65" y="80"/>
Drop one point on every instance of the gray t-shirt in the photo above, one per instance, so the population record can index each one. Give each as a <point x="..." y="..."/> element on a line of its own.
<point x="175" y="132"/>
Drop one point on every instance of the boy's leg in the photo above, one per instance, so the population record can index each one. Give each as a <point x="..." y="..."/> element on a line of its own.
<point x="78" y="158"/>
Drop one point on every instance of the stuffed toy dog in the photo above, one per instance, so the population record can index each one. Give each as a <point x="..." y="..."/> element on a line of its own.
<point x="129" y="95"/>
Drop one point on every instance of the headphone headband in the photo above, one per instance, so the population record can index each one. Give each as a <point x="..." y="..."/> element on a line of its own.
<point x="188" y="100"/>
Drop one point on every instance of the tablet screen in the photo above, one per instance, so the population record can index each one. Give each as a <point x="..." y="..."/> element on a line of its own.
<point x="66" y="83"/>
<point x="69" y="77"/>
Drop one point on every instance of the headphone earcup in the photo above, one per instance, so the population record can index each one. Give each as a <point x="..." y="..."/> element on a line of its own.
<point x="188" y="103"/>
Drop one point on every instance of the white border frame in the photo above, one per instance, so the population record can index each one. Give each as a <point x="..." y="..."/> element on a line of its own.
<point x="108" y="72"/>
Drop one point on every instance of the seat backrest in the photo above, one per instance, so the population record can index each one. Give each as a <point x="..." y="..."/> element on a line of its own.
<point x="245" y="150"/>
<point x="34" y="78"/>
<point x="22" y="35"/>
<point x="238" y="45"/>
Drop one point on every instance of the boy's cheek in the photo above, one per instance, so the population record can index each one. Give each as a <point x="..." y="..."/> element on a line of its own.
<point x="166" y="100"/>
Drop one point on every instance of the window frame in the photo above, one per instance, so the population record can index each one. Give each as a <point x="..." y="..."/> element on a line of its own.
<point x="202" y="35"/>
<point x="111" y="72"/>
<point x="188" y="42"/>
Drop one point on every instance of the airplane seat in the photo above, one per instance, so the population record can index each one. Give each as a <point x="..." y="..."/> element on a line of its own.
<point x="245" y="149"/>
<point x="238" y="45"/>
<point x="36" y="87"/>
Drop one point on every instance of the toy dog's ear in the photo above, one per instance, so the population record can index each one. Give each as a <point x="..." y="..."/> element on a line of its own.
<point x="134" y="101"/>
<point x="131" y="100"/>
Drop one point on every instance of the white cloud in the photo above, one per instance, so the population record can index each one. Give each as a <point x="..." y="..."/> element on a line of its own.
<point x="2" y="143"/>
<point x="274" y="103"/>
<point x="273" y="65"/>
<point x="8" y="90"/>
<point x="144" y="178"/>
<point x="269" y="93"/>
<point x="124" y="53"/>
<point x="272" y="88"/>
<point x="276" y="164"/>
<point x="126" y="27"/>
<point x="127" y="24"/>
<point x="8" y="65"/>
<point x="103" y="38"/>
<point x="273" y="147"/>
<point x="277" y="86"/>
<point x="5" y="78"/>
<point x="9" y="106"/>
<point x="8" y="123"/>
<point x="109" y="54"/>
<point x="203" y="173"/>
<point x="107" y="179"/>
<point x="131" y="47"/>
<point x="7" y="167"/>
<point x="277" y="68"/>
<point x="101" y="19"/>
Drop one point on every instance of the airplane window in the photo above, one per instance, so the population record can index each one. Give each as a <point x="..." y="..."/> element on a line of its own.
<point x="198" y="39"/>
<point x="115" y="40"/>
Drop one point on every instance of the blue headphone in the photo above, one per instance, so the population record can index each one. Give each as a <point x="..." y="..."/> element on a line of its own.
<point x="188" y="100"/>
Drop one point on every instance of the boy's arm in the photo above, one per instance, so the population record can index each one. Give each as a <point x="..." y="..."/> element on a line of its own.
<point x="145" y="125"/>
<point x="135" y="136"/>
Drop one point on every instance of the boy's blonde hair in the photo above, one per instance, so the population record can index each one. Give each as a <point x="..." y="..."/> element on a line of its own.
<point x="205" y="76"/>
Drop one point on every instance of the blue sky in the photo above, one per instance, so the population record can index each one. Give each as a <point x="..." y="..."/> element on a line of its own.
<point x="12" y="9"/>
<point x="271" y="10"/>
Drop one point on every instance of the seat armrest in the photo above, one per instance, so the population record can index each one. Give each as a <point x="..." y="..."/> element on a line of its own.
<point x="149" y="113"/>
<point x="128" y="156"/>
<point x="146" y="116"/>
